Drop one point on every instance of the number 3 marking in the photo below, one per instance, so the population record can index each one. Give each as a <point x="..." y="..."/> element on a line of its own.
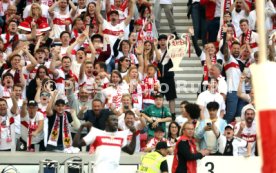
<point x="212" y="166"/>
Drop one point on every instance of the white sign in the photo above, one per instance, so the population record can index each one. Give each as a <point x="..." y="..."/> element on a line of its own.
<point x="226" y="164"/>
<point x="177" y="50"/>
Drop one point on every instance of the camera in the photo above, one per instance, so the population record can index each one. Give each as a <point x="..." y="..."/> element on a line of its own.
<point x="209" y="124"/>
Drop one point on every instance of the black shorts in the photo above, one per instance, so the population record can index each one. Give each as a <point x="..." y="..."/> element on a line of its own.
<point x="168" y="88"/>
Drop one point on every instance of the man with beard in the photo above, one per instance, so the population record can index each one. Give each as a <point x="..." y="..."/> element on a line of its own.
<point x="108" y="144"/>
<point x="97" y="116"/>
<point x="239" y="10"/>
<point x="130" y="121"/>
<point x="232" y="68"/>
<point x="247" y="129"/>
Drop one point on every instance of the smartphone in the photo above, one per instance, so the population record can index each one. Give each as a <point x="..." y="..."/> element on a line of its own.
<point x="209" y="124"/>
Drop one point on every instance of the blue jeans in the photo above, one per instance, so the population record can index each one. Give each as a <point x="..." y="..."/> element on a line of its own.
<point x="234" y="106"/>
<point x="111" y="66"/>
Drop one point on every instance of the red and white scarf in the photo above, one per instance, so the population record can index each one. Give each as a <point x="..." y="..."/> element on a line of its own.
<point x="8" y="41"/>
<point x="66" y="134"/>
<point x="246" y="38"/>
<point x="31" y="128"/>
<point x="205" y="70"/>
<point x="6" y="124"/>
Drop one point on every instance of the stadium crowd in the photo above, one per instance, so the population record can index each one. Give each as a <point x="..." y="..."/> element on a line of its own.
<point x="68" y="62"/>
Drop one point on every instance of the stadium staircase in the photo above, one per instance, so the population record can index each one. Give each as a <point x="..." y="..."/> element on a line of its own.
<point x="189" y="79"/>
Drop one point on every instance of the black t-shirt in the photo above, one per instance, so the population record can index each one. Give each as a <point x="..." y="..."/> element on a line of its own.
<point x="51" y="121"/>
<point x="228" y="151"/>
<point x="97" y="121"/>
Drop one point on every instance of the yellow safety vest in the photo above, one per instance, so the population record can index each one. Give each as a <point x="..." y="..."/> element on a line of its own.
<point x="151" y="163"/>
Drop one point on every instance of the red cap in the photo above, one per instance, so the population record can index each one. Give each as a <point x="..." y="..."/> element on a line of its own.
<point x="44" y="27"/>
<point x="25" y="26"/>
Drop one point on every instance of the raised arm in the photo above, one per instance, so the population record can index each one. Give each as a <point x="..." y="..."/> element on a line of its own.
<point x="49" y="109"/>
<point x="76" y="122"/>
<point x="53" y="62"/>
<point x="34" y="63"/>
<point x="14" y="104"/>
<point x="98" y="12"/>
<point x="240" y="92"/>
<point x="196" y="46"/>
<point x="130" y="148"/>
<point x="139" y="52"/>
<point x="73" y="8"/>
<point x="131" y="12"/>
<point x="23" y="111"/>
<point x="52" y="8"/>
<point x="78" y="141"/>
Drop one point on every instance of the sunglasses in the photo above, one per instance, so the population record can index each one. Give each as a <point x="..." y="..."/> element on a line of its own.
<point x="45" y="94"/>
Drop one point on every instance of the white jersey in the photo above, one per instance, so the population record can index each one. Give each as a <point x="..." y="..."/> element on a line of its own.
<point x="112" y="95"/>
<point x="249" y="135"/>
<point x="113" y="32"/>
<point x="59" y="23"/>
<point x="108" y="147"/>
<point x="233" y="74"/>
<point x="8" y="37"/>
<point x="205" y="97"/>
<point x="27" y="123"/>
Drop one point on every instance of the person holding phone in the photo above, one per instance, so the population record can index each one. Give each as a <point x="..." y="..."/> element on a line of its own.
<point x="206" y="129"/>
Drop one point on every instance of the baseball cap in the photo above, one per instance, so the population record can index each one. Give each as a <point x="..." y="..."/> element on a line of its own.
<point x="158" y="95"/>
<point x="229" y="126"/>
<point x="161" y="145"/>
<point x="60" y="101"/>
<point x="32" y="103"/>
<point x="159" y="129"/>
<point x="162" y="36"/>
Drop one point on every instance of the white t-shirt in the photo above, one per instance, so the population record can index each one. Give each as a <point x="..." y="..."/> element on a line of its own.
<point x="58" y="23"/>
<point x="165" y="1"/>
<point x="108" y="147"/>
<point x="205" y="97"/>
<point x="34" y="124"/>
<point x="236" y="143"/>
<point x="181" y="120"/>
<point x="249" y="135"/>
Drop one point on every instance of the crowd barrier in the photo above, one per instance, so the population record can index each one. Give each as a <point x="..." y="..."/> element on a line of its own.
<point x="26" y="162"/>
